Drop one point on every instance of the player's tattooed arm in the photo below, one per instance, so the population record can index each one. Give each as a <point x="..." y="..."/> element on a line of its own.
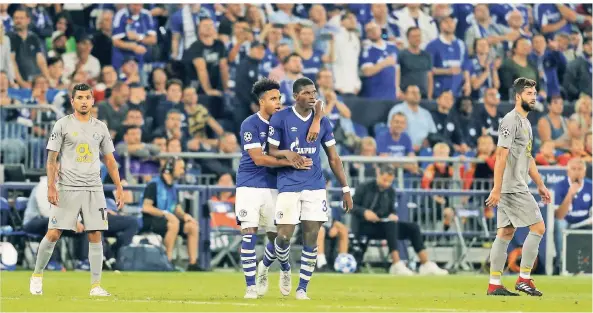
<point x="335" y="163"/>
<point x="113" y="171"/>
<point x="52" y="171"/>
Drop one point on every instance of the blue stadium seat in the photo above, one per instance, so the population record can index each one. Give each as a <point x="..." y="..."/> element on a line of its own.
<point x="379" y="128"/>
<point x="21" y="203"/>
<point x="360" y="130"/>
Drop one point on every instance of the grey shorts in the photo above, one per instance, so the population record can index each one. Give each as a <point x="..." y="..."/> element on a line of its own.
<point x="90" y="205"/>
<point x="518" y="209"/>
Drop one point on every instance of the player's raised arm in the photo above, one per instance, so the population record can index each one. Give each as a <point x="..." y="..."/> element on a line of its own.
<point x="335" y="163"/>
<point x="506" y="136"/>
<point x="107" y="150"/>
<point x="316" y="126"/>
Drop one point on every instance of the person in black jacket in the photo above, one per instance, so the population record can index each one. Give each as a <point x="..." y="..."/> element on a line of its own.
<point x="374" y="217"/>
<point x="248" y="72"/>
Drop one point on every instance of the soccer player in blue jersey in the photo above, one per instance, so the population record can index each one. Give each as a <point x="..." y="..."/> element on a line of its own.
<point x="302" y="197"/>
<point x="256" y="183"/>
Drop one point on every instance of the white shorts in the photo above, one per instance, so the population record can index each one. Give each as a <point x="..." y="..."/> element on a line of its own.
<point x="307" y="205"/>
<point x="255" y="207"/>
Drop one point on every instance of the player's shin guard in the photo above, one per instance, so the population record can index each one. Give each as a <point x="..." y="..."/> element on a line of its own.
<point x="498" y="256"/>
<point x="46" y="249"/>
<point x="529" y="253"/>
<point x="308" y="257"/>
<point x="269" y="254"/>
<point x="248" y="258"/>
<point x="283" y="254"/>
<point x="96" y="262"/>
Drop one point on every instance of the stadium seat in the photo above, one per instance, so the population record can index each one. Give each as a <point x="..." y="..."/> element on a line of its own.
<point x="225" y="233"/>
<point x="380" y="128"/>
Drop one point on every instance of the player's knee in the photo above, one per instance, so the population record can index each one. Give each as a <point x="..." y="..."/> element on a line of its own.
<point x="539" y="228"/>
<point x="506" y="233"/>
<point x="53" y="235"/>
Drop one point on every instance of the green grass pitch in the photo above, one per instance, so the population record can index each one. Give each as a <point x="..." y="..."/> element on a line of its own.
<point x="223" y="291"/>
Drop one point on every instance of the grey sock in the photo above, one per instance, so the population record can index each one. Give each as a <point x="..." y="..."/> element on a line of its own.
<point x="529" y="252"/>
<point x="46" y="249"/>
<point x="498" y="256"/>
<point x="96" y="261"/>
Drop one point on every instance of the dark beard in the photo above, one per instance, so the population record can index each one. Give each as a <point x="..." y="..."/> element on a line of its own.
<point x="525" y="106"/>
<point x="83" y="113"/>
<point x="60" y="50"/>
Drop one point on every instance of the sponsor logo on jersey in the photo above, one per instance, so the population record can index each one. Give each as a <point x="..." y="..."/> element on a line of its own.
<point x="83" y="153"/>
<point x="294" y="147"/>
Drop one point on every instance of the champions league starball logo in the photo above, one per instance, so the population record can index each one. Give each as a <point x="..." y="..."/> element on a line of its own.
<point x="247" y="137"/>
<point x="271" y="131"/>
<point x="504" y="131"/>
<point x="53" y="136"/>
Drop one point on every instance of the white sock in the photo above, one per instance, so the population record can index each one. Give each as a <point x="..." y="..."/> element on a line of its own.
<point x="495" y="281"/>
<point x="525" y="275"/>
<point x="321" y="260"/>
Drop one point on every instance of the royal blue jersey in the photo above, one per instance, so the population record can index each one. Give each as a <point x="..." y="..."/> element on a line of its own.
<point x="288" y="131"/>
<point x="580" y="209"/>
<point x="286" y="91"/>
<point x="268" y="63"/>
<point x="548" y="13"/>
<point x="475" y="70"/>
<point x="447" y="55"/>
<point x="500" y="12"/>
<point x="124" y="22"/>
<point x="550" y="64"/>
<point x="7" y="22"/>
<point x="381" y="85"/>
<point x="254" y="134"/>
<point x="464" y="14"/>
<point x="312" y="65"/>
<point x="400" y="148"/>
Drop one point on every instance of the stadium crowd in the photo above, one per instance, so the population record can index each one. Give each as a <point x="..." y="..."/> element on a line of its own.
<point x="177" y="78"/>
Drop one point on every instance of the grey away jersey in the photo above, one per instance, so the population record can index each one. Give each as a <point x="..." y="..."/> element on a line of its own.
<point x="514" y="133"/>
<point x="79" y="145"/>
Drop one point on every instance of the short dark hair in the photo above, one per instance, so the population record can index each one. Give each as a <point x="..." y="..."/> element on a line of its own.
<point x="521" y="83"/>
<point x="287" y="58"/>
<point x="413" y="28"/>
<point x="22" y="8"/>
<point x="323" y="69"/>
<point x="386" y="168"/>
<point x="301" y="83"/>
<point x="53" y="60"/>
<point x="81" y="87"/>
<point x="130" y="127"/>
<point x="264" y="85"/>
<point x="134" y="110"/>
<point x="117" y="86"/>
<point x="175" y="81"/>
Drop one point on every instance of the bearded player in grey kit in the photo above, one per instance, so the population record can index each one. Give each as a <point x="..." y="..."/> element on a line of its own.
<point x="516" y="205"/>
<point x="78" y="139"/>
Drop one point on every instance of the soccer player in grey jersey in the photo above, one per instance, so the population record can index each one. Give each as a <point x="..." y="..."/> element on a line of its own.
<point x="78" y="139"/>
<point x="516" y="206"/>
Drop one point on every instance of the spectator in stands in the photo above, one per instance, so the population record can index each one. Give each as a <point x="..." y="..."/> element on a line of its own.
<point x="577" y="78"/>
<point x="420" y="123"/>
<point x="518" y="65"/>
<point x="133" y="118"/>
<point x="163" y="214"/>
<point x="440" y="175"/>
<point x="173" y="145"/>
<point x="516" y="20"/>
<point x="82" y="59"/>
<point x="238" y="44"/>
<point x="367" y="147"/>
<point x="183" y="25"/>
<point x="106" y="82"/>
<point x="448" y="124"/>
<point x="55" y="67"/>
<point x="449" y="55"/>
<point x="347" y="50"/>
<point x="12" y="147"/>
<point x="573" y="198"/>
<point x="333" y="230"/>
<point x="226" y="145"/>
<point x="57" y="44"/>
<point x="577" y="150"/>
<point x="5" y="53"/>
<point x="208" y="59"/>
<point x="551" y="63"/>
<point x="374" y="217"/>
<point x="5" y="18"/>
<point x="416" y="64"/>
<point x="172" y="101"/>
<point x="484" y="27"/>
<point x="547" y="154"/>
<point x="284" y="15"/>
<point x="483" y="69"/>
<point x="324" y="31"/>
<point x="225" y="180"/>
<point x="102" y="41"/>
<point x="412" y="16"/>
<point x="27" y="51"/>
<point x="159" y="82"/>
<point x="137" y="97"/>
<point x="553" y="126"/>
<point x="172" y="127"/>
<point x="42" y="22"/>
<point x="278" y="73"/>
<point x="232" y="14"/>
<point x="396" y="142"/>
<point x="131" y="39"/>
<point x="313" y="60"/>
<point x="293" y="67"/>
<point x="256" y="19"/>
<point x="334" y="109"/>
<point x="248" y="72"/>
<point x="133" y="146"/>
<point x="380" y="75"/>
<point x="129" y="71"/>
<point x="64" y="31"/>
<point x="487" y="117"/>
<point x="36" y="219"/>
<point x="552" y="19"/>
<point x="479" y="175"/>
<point x="387" y="25"/>
<point x="580" y="120"/>
<point x="113" y="110"/>
<point x="198" y="117"/>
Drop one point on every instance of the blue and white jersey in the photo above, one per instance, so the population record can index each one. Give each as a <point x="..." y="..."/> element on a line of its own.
<point x="288" y="131"/>
<point x="254" y="134"/>
<point x="475" y="70"/>
<point x="464" y="14"/>
<point x="312" y="65"/>
<point x="550" y="64"/>
<point x="500" y="12"/>
<point x="286" y="91"/>
<point x="381" y="85"/>
<point x="7" y="22"/>
<point x="548" y="13"/>
<point x="580" y="209"/>
<point x="124" y="22"/>
<point x="269" y="62"/>
<point x="447" y="55"/>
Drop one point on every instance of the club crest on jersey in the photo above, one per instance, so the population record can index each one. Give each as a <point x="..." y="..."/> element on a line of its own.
<point x="247" y="137"/>
<point x="96" y="136"/>
<point x="271" y="131"/>
<point x="243" y="213"/>
<point x="54" y="220"/>
<point x="294" y="147"/>
<point x="279" y="215"/>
